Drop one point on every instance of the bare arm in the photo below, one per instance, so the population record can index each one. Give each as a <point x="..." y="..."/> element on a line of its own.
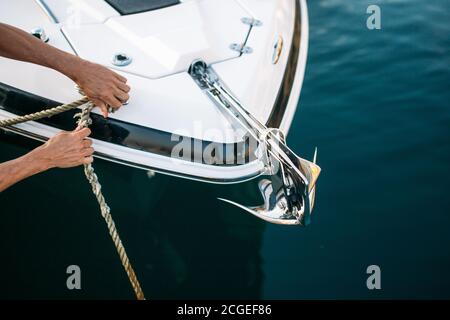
<point x="103" y="86"/>
<point x="66" y="149"/>
<point x="16" y="170"/>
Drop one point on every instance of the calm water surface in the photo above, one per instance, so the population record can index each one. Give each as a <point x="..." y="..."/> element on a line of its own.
<point x="376" y="103"/>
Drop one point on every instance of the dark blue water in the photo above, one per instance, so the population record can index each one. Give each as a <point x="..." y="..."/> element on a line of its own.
<point x="377" y="105"/>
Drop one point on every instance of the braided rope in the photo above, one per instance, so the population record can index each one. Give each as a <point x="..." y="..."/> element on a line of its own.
<point x="43" y="114"/>
<point x="85" y="121"/>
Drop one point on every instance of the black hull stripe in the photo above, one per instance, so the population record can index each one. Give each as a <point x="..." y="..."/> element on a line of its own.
<point x="115" y="131"/>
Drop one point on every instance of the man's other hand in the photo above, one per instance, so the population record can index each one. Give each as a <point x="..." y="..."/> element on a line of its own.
<point x="103" y="87"/>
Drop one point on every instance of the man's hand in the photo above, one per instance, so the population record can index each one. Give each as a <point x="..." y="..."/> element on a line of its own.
<point x="101" y="85"/>
<point x="66" y="149"/>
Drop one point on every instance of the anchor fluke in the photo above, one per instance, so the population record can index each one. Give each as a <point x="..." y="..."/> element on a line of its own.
<point x="272" y="211"/>
<point x="284" y="195"/>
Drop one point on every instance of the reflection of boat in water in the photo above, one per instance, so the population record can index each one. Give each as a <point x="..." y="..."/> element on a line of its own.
<point x="192" y="66"/>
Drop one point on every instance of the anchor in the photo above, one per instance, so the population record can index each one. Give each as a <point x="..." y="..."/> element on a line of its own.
<point x="289" y="185"/>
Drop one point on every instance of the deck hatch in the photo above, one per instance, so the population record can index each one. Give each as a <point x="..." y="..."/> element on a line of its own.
<point x="125" y="7"/>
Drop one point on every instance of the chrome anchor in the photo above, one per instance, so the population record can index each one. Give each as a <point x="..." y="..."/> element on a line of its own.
<point x="289" y="186"/>
<point x="288" y="197"/>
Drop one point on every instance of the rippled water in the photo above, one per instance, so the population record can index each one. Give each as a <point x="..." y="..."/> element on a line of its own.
<point x="376" y="103"/>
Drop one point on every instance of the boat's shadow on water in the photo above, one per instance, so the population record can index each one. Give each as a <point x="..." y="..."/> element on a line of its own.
<point x="182" y="241"/>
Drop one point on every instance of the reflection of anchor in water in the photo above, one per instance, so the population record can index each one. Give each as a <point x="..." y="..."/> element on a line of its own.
<point x="289" y="191"/>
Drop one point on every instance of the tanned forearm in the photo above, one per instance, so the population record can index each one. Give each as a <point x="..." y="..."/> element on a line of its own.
<point x="21" y="168"/>
<point x="19" y="45"/>
<point x="101" y="85"/>
<point x="64" y="150"/>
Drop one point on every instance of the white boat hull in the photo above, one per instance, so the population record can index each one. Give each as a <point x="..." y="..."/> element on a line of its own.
<point x="165" y="102"/>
